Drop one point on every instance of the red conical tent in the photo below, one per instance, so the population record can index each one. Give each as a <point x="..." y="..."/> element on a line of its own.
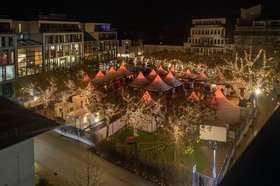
<point x="152" y="75"/>
<point x="98" y="79"/>
<point x="193" y="96"/>
<point x="171" y="80"/>
<point x="174" y="72"/>
<point x="90" y="86"/>
<point x="147" y="97"/>
<point x="202" y="77"/>
<point x="123" y="71"/>
<point x="111" y="75"/>
<point x="227" y="111"/>
<point x="187" y="75"/>
<point x="158" y="85"/>
<point x="86" y="78"/>
<point x="161" y="71"/>
<point x="139" y="82"/>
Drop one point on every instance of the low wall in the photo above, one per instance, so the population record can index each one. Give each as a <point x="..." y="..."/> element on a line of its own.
<point x="149" y="49"/>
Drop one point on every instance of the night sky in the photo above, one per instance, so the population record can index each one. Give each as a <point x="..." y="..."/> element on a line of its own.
<point x="147" y="19"/>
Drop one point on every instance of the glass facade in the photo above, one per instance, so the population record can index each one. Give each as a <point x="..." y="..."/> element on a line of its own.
<point x="62" y="50"/>
<point x="7" y="58"/>
<point x="29" y="61"/>
<point x="62" y="55"/>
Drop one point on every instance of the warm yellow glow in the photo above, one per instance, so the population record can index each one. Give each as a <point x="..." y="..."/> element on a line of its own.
<point x="96" y="119"/>
<point x="258" y="91"/>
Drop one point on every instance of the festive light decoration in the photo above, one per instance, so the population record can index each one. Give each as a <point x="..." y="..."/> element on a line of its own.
<point x="249" y="73"/>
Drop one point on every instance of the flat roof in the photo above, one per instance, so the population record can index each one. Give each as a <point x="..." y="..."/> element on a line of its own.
<point x="18" y="123"/>
<point x="27" y="42"/>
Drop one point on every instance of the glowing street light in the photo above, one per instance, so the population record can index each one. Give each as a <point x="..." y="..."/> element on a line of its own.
<point x="257" y="91"/>
<point x="96" y="119"/>
<point x="213" y="144"/>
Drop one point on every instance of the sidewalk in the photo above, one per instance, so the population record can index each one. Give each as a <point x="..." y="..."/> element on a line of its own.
<point x="266" y="107"/>
<point x="53" y="177"/>
<point x="48" y="112"/>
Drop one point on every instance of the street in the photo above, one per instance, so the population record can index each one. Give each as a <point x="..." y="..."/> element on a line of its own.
<point x="267" y="104"/>
<point x="64" y="162"/>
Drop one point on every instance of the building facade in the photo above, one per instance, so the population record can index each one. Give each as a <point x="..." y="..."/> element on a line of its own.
<point x="17" y="164"/>
<point x="17" y="129"/>
<point x="32" y="47"/>
<point x="209" y="36"/>
<point x="252" y="29"/>
<point x="8" y="49"/>
<point x="130" y="48"/>
<point x="106" y="39"/>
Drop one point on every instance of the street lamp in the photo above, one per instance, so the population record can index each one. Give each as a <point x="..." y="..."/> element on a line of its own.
<point x="257" y="92"/>
<point x="213" y="145"/>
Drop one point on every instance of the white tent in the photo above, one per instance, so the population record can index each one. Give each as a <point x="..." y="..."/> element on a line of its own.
<point x="139" y="82"/>
<point x="158" y="85"/>
<point x="171" y="80"/>
<point x="227" y="111"/>
<point x="98" y="79"/>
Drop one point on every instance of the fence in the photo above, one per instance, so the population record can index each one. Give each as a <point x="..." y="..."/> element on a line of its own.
<point x="113" y="127"/>
<point x="248" y="114"/>
<point x="202" y="180"/>
<point x="77" y="134"/>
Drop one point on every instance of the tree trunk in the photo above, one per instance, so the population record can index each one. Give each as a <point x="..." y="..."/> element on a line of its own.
<point x="107" y="131"/>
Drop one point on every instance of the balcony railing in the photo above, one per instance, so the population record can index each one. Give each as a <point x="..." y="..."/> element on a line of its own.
<point x="105" y="30"/>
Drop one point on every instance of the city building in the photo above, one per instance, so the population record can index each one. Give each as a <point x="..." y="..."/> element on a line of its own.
<point x="210" y="36"/>
<point x="254" y="28"/>
<point x="61" y="38"/>
<point x="8" y="49"/>
<point x="155" y="48"/>
<point x="106" y="38"/>
<point x="40" y="45"/>
<point x="90" y="47"/>
<point x="18" y="127"/>
<point x="130" y="48"/>
<point x="49" y="42"/>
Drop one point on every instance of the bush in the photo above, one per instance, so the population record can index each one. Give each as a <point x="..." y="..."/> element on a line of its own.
<point x="44" y="182"/>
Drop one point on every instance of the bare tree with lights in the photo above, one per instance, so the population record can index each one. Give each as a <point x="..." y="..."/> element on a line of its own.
<point x="48" y="94"/>
<point x="140" y="113"/>
<point x="89" y="174"/>
<point x="29" y="93"/>
<point x="249" y="73"/>
<point x="185" y="119"/>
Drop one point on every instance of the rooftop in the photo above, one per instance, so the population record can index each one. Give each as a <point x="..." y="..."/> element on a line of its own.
<point x="18" y="124"/>
<point x="27" y="42"/>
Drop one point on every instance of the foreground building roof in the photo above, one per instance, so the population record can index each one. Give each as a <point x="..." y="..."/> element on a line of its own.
<point x="18" y="124"/>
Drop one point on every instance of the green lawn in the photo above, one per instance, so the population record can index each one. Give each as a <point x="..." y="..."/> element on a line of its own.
<point x="157" y="150"/>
